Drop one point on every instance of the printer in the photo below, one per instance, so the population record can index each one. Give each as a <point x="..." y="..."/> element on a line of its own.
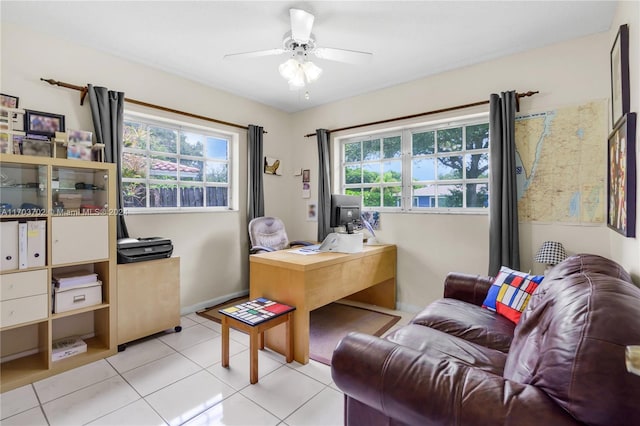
<point x="140" y="249"/>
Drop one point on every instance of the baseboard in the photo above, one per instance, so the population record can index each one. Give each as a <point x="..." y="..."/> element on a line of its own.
<point x="212" y="302"/>
<point x="405" y="307"/>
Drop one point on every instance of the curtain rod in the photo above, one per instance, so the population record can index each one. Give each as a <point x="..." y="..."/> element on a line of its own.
<point x="84" y="90"/>
<point x="388" y="120"/>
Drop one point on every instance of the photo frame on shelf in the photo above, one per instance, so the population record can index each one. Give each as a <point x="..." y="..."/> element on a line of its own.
<point x="79" y="145"/>
<point x="43" y="123"/>
<point x="621" y="177"/>
<point x="620" y="100"/>
<point x="36" y="147"/>
<point x="6" y="146"/>
<point x="8" y="101"/>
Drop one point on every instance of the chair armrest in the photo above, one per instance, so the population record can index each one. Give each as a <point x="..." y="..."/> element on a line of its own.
<point x="260" y="249"/>
<point x="413" y="388"/>
<point x="468" y="288"/>
<point x="300" y="243"/>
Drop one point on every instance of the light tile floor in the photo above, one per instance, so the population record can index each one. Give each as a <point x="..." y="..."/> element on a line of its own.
<point x="175" y="379"/>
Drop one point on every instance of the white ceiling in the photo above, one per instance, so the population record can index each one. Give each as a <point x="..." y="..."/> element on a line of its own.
<point x="409" y="40"/>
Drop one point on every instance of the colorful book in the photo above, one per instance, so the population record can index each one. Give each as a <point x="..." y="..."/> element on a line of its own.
<point x="256" y="311"/>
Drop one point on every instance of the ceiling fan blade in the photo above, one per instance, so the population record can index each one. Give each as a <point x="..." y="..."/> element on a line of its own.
<point x="255" y="54"/>
<point x="343" y="55"/>
<point x="301" y="24"/>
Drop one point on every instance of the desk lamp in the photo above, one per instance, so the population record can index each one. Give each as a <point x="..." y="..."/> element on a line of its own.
<point x="551" y="253"/>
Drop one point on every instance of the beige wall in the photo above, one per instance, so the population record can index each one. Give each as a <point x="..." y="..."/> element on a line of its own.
<point x="431" y="245"/>
<point x="213" y="246"/>
<point x="627" y="250"/>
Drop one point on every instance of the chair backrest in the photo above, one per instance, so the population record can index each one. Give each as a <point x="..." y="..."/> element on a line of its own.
<point x="268" y="232"/>
<point x="571" y="339"/>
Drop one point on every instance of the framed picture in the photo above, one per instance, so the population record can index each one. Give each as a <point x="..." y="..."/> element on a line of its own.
<point x="620" y="75"/>
<point x="312" y="211"/>
<point x="43" y="123"/>
<point x="79" y="145"/>
<point x="271" y="166"/>
<point x="621" y="177"/>
<point x="6" y="147"/>
<point x="36" y="147"/>
<point x="8" y="101"/>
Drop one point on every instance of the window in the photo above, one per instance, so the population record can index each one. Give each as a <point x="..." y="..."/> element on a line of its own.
<point x="426" y="169"/>
<point x="169" y="165"/>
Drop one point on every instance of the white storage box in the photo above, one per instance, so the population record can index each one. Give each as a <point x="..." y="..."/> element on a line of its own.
<point x="67" y="347"/>
<point x="66" y="299"/>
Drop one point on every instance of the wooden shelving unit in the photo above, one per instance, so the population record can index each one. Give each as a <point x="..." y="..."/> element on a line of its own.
<point x="74" y="239"/>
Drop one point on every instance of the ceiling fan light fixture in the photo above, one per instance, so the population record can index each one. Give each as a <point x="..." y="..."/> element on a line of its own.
<point x="289" y="69"/>
<point x="297" y="81"/>
<point x="311" y="71"/>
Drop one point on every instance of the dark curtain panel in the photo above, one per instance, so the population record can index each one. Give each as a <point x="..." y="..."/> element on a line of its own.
<point x="256" y="189"/>
<point x="107" y="110"/>
<point x="324" y="184"/>
<point x="504" y="238"/>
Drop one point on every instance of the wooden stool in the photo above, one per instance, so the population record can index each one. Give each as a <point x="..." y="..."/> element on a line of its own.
<point x="254" y="317"/>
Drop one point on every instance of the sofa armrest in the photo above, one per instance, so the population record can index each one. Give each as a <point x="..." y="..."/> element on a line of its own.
<point x="413" y="388"/>
<point x="468" y="288"/>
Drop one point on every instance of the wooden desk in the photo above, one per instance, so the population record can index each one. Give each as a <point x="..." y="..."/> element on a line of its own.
<point x="309" y="282"/>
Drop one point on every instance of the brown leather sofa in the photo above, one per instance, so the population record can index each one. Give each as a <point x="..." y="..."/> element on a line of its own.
<point x="457" y="363"/>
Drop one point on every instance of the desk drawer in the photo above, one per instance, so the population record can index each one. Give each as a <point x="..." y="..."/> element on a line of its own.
<point x="24" y="309"/>
<point x="23" y="284"/>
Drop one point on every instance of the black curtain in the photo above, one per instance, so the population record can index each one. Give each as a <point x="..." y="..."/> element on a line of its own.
<point x="107" y="111"/>
<point x="504" y="238"/>
<point x="324" y="184"/>
<point x="256" y="188"/>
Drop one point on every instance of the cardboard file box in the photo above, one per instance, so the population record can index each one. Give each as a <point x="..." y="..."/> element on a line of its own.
<point x="67" y="347"/>
<point x="67" y="299"/>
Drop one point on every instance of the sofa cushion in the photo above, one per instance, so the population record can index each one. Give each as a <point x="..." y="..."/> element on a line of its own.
<point x="510" y="293"/>
<point x="438" y="345"/>
<point x="469" y="322"/>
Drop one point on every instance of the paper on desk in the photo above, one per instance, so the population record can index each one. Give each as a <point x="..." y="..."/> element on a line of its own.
<point x="305" y="251"/>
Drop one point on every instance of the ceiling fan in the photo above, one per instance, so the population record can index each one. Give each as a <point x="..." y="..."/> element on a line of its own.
<point x="300" y="43"/>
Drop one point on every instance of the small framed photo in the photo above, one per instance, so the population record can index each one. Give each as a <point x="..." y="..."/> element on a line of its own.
<point x="8" y="101"/>
<point x="621" y="177"/>
<point x="43" y="123"/>
<point x="79" y="145"/>
<point x="312" y="211"/>
<point x="306" y="175"/>
<point x="38" y="148"/>
<point x="6" y="147"/>
<point x="271" y="166"/>
<point x="620" y="103"/>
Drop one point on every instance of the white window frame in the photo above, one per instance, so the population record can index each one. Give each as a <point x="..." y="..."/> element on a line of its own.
<point x="406" y="205"/>
<point x="181" y="126"/>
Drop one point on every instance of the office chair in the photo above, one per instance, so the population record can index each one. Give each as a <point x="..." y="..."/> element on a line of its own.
<point x="268" y="234"/>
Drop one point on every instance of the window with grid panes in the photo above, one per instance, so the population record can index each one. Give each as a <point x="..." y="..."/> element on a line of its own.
<point x="429" y="168"/>
<point x="174" y="166"/>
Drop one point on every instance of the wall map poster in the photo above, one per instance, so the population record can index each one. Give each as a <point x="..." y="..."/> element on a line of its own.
<point x="561" y="158"/>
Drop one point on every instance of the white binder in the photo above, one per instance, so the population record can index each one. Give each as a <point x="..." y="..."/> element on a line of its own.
<point x="8" y="245"/>
<point x="36" y="238"/>
<point x="23" y="262"/>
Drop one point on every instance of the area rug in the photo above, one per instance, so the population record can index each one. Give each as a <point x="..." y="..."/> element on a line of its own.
<point x="328" y="325"/>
